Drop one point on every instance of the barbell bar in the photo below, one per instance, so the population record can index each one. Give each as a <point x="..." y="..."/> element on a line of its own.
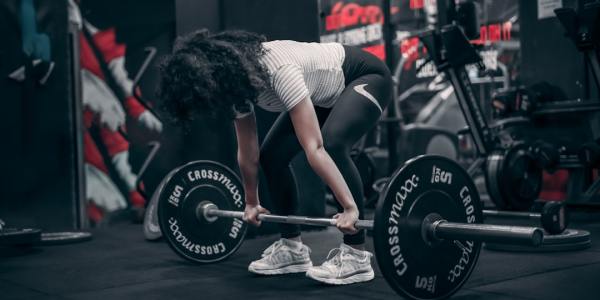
<point x="211" y="212"/>
<point x="439" y="229"/>
<point x="512" y="214"/>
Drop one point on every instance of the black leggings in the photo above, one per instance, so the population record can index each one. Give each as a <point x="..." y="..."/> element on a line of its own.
<point x="354" y="113"/>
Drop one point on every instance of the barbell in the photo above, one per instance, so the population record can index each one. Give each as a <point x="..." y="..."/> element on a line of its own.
<point x="553" y="218"/>
<point x="434" y="227"/>
<point x="427" y="230"/>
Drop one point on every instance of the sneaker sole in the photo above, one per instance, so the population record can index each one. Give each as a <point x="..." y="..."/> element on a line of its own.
<point x="356" y="278"/>
<point x="285" y="270"/>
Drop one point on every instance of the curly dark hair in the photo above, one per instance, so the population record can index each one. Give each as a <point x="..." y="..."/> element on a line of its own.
<point x="210" y="74"/>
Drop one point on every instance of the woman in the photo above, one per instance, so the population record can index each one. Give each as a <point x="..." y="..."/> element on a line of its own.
<point x="329" y="96"/>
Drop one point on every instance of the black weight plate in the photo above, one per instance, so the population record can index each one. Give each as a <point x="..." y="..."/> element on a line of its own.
<point x="521" y="179"/>
<point x="63" y="238"/>
<point x="568" y="236"/>
<point x="19" y="236"/>
<point x="151" y="226"/>
<point x="412" y="266"/>
<point x="493" y="169"/>
<point x="513" y="178"/>
<point x="554" y="217"/>
<point x="192" y="237"/>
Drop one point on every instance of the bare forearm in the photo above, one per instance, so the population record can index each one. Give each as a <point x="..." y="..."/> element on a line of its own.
<point x="306" y="126"/>
<point x="248" y="155"/>
<point x="325" y="167"/>
<point x="249" y="171"/>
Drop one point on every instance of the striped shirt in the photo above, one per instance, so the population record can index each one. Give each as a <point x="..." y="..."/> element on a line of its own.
<point x="299" y="70"/>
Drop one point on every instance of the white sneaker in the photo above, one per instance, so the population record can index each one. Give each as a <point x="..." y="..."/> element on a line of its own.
<point x="348" y="265"/>
<point x="283" y="257"/>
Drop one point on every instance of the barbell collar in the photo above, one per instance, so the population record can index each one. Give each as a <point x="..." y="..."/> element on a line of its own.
<point x="515" y="235"/>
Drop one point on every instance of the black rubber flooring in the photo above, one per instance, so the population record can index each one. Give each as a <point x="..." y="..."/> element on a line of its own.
<point x="120" y="264"/>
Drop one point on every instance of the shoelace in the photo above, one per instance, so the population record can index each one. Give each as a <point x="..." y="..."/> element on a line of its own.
<point x="269" y="249"/>
<point x="272" y="250"/>
<point x="276" y="245"/>
<point x="336" y="260"/>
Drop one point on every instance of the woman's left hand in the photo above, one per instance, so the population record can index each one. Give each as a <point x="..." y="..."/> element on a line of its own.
<point x="345" y="221"/>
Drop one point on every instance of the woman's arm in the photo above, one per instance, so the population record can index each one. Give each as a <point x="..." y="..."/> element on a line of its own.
<point x="306" y="126"/>
<point x="248" y="160"/>
<point x="248" y="155"/>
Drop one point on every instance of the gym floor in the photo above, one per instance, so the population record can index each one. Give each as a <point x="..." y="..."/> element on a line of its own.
<point x="119" y="264"/>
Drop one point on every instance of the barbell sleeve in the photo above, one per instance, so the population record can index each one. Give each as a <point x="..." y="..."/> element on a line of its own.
<point x="516" y="235"/>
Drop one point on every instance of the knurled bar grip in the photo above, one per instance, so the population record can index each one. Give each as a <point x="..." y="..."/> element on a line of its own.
<point x="360" y="224"/>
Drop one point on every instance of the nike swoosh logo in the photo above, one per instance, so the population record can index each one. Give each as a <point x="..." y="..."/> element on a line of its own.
<point x="361" y="90"/>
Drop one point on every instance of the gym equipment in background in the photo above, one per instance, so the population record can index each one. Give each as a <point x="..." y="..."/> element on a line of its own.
<point x="568" y="240"/>
<point x="513" y="178"/>
<point x="553" y="218"/>
<point x="428" y="131"/>
<point x="31" y="237"/>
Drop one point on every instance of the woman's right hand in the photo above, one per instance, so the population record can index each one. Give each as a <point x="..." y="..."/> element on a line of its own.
<point x="345" y="221"/>
<point x="251" y="213"/>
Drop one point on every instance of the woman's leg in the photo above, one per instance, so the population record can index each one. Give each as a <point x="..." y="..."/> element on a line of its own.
<point x="277" y="150"/>
<point x="287" y="255"/>
<point x="356" y="111"/>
